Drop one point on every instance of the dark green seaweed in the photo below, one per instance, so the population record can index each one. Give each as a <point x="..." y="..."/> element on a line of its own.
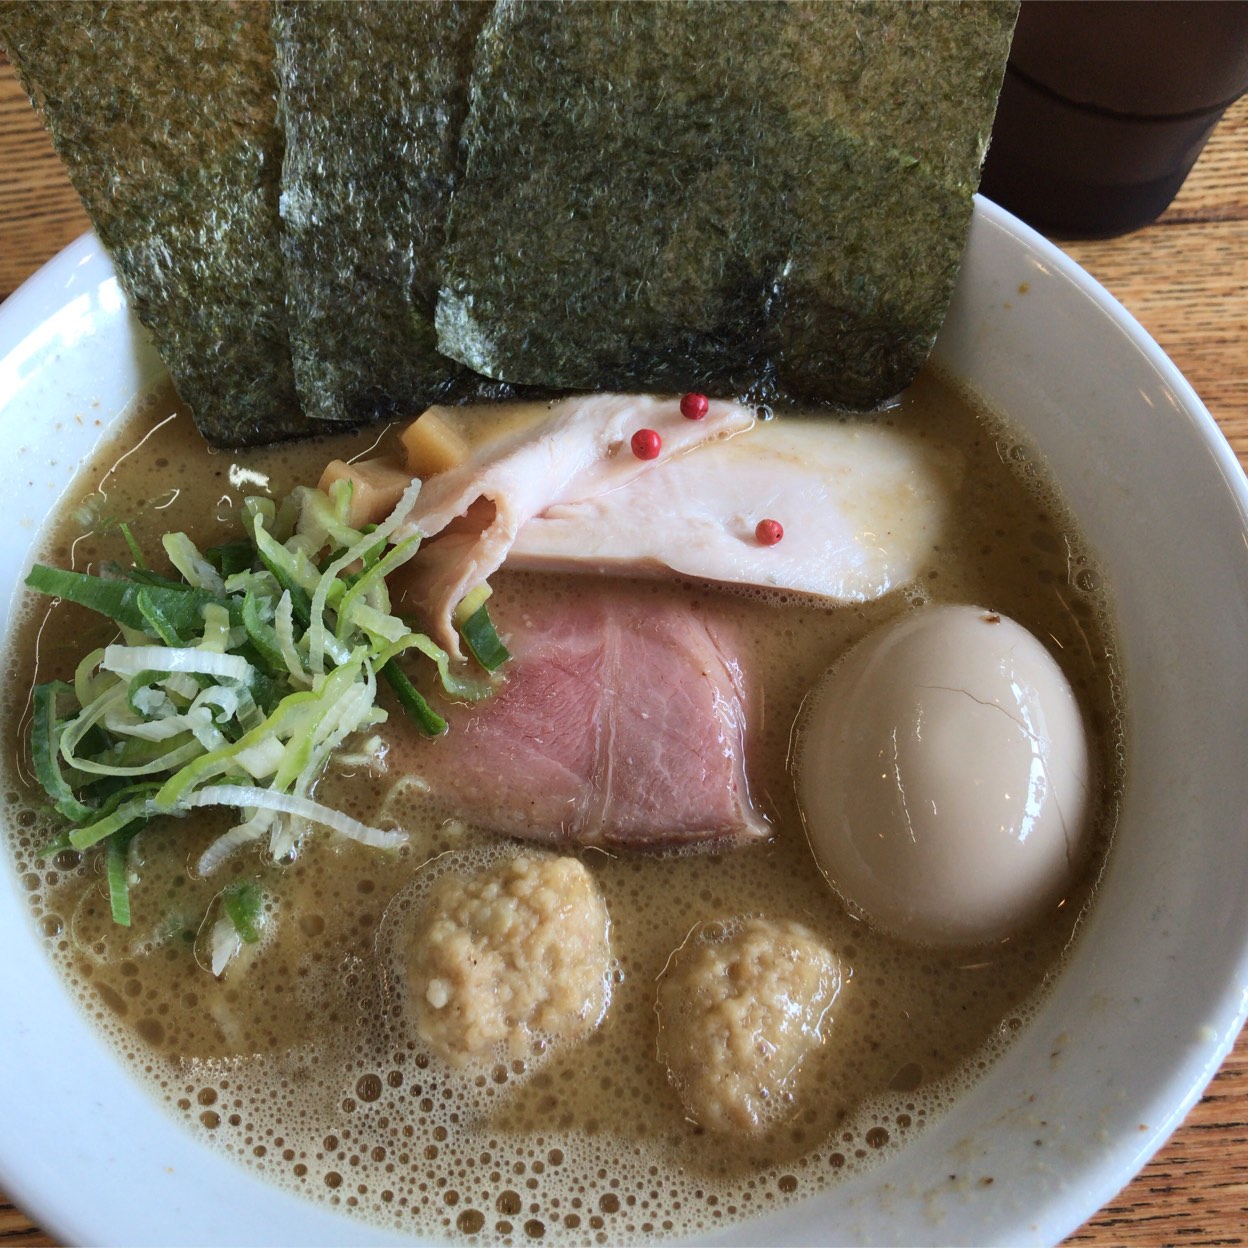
<point x="165" y="115"/>
<point x="761" y="199"/>
<point x="372" y="99"/>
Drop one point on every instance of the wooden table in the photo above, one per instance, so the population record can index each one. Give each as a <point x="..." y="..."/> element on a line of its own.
<point x="1186" y="279"/>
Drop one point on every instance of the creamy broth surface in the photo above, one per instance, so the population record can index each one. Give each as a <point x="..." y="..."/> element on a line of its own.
<point x="302" y="1062"/>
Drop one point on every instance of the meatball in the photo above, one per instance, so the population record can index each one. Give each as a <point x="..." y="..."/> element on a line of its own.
<point x="740" y="1006"/>
<point x="514" y="952"/>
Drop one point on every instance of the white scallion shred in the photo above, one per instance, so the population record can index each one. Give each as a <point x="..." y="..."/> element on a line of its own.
<point x="252" y="829"/>
<point x="153" y="703"/>
<point x="122" y="722"/>
<point x="181" y="685"/>
<point x="284" y="627"/>
<point x="131" y="660"/>
<point x="277" y="676"/>
<point x="262" y="760"/>
<point x="199" y="719"/>
<point x="217" y="633"/>
<point x="370" y="753"/>
<point x="195" y="569"/>
<point x="292" y="804"/>
<point x="379" y="624"/>
<point x="285" y="833"/>
<point x="86" y="685"/>
<point x="224" y="942"/>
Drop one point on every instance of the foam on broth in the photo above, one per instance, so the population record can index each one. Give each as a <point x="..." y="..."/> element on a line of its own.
<point x="302" y="1063"/>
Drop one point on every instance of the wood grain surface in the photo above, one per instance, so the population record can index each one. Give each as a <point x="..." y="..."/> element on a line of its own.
<point x="1186" y="279"/>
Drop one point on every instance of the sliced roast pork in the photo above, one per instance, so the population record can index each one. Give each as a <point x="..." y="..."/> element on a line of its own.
<point x="621" y="723"/>
<point x="582" y="449"/>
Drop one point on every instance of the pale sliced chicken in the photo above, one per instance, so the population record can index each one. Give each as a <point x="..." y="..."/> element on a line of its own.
<point x="582" y="449"/>
<point x="861" y="505"/>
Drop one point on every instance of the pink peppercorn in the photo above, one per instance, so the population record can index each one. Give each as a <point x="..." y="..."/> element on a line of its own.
<point x="647" y="444"/>
<point x="694" y="406"/>
<point x="768" y="532"/>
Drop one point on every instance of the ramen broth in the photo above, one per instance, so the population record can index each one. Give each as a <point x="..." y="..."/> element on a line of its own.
<point x="302" y="1062"/>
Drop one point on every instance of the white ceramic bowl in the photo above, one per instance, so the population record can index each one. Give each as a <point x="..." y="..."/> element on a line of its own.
<point x="1155" y="992"/>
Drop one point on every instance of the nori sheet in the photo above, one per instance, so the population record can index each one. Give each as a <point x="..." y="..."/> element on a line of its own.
<point x="372" y="99"/>
<point x="165" y="114"/>
<point x="763" y="199"/>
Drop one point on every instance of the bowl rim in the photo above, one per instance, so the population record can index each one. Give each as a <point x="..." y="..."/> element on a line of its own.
<point x="42" y="1191"/>
<point x="1227" y="1017"/>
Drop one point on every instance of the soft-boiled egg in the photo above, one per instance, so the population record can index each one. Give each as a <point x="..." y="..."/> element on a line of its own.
<point x="943" y="775"/>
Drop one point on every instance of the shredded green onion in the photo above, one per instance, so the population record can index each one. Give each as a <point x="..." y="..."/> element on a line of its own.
<point x="413" y="701"/>
<point x="244" y="903"/>
<point x="230" y="558"/>
<point x="234" y="684"/>
<point x="157" y="621"/>
<point x="483" y="642"/>
<point x="183" y="606"/>
<point x="263" y="635"/>
<point x="136" y="552"/>
<point x="117" y="870"/>
<point x="45" y="742"/>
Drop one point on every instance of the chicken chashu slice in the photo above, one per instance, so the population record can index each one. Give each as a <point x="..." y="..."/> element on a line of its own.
<point x="558" y="487"/>
<point x="552" y="454"/>
<point x="861" y="506"/>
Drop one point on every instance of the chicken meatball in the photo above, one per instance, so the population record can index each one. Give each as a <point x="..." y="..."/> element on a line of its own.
<point x="507" y="955"/>
<point x="740" y="1006"/>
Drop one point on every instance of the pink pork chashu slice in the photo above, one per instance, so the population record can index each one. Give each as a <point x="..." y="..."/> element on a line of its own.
<point x="621" y="724"/>
<point x="862" y="505"/>
<point x="581" y="449"/>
